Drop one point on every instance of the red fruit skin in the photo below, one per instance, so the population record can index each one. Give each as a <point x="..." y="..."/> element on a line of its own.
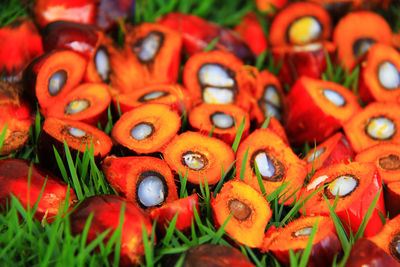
<point x="69" y="35"/>
<point x="83" y="11"/>
<point x="197" y="33"/>
<point x="356" y="212"/>
<point x="306" y="121"/>
<point x="14" y="180"/>
<point x="354" y="215"/>
<point x="277" y="128"/>
<point x="341" y="153"/>
<point x="364" y="253"/>
<point x="322" y="253"/>
<point x="215" y="255"/>
<point x="252" y="34"/>
<point x="301" y="63"/>
<point x="20" y="42"/>
<point x="106" y="211"/>
<point x="185" y="208"/>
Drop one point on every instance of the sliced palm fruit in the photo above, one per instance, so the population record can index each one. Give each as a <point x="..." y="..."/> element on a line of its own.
<point x="222" y="120"/>
<point x="269" y="97"/>
<point x="392" y="198"/>
<point x="85" y="39"/>
<point x="200" y="156"/>
<point x="388" y="238"/>
<point x="50" y="77"/>
<point x="78" y="136"/>
<point x="386" y="157"/>
<point x="335" y="149"/>
<point x="110" y="212"/>
<point x="146" y="181"/>
<point x="277" y="164"/>
<point x="299" y="24"/>
<point x="356" y="32"/>
<point x="88" y="103"/>
<point x="248" y="210"/>
<point x="317" y="109"/>
<point x="379" y="79"/>
<point x="355" y="185"/>
<point x="147" y="129"/>
<point x="26" y="181"/>
<point x="151" y="56"/>
<point x="295" y="236"/>
<point x="212" y="77"/>
<point x="173" y="95"/>
<point x="375" y="124"/>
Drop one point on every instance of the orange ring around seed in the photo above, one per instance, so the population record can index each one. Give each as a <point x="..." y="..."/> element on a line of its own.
<point x="370" y="88"/>
<point x="166" y="124"/>
<point x="354" y="128"/>
<point x="96" y="94"/>
<point x="124" y="173"/>
<point x="249" y="230"/>
<point x="282" y="21"/>
<point x="295" y="169"/>
<point x="195" y="62"/>
<point x="176" y="97"/>
<point x="200" y="120"/>
<point x="39" y="72"/>
<point x="387" y="154"/>
<point x="358" y="25"/>
<point x="219" y="156"/>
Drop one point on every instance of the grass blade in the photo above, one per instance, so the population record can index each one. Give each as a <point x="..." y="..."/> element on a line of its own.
<point x="170" y="230"/>
<point x="148" y="248"/>
<point x="61" y="166"/>
<point x="307" y="251"/>
<point x="339" y="227"/>
<point x="211" y="45"/>
<point x="364" y="222"/>
<point x="238" y="136"/>
<point x="183" y="179"/>
<point x="266" y="122"/>
<point x="243" y="165"/>
<point x="259" y="179"/>
<point x="221" y="231"/>
<point x="74" y="176"/>
<point x="221" y="181"/>
<point x="3" y="136"/>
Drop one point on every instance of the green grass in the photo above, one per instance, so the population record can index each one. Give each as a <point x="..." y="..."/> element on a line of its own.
<point x="11" y="10"/>
<point x="213" y="10"/>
